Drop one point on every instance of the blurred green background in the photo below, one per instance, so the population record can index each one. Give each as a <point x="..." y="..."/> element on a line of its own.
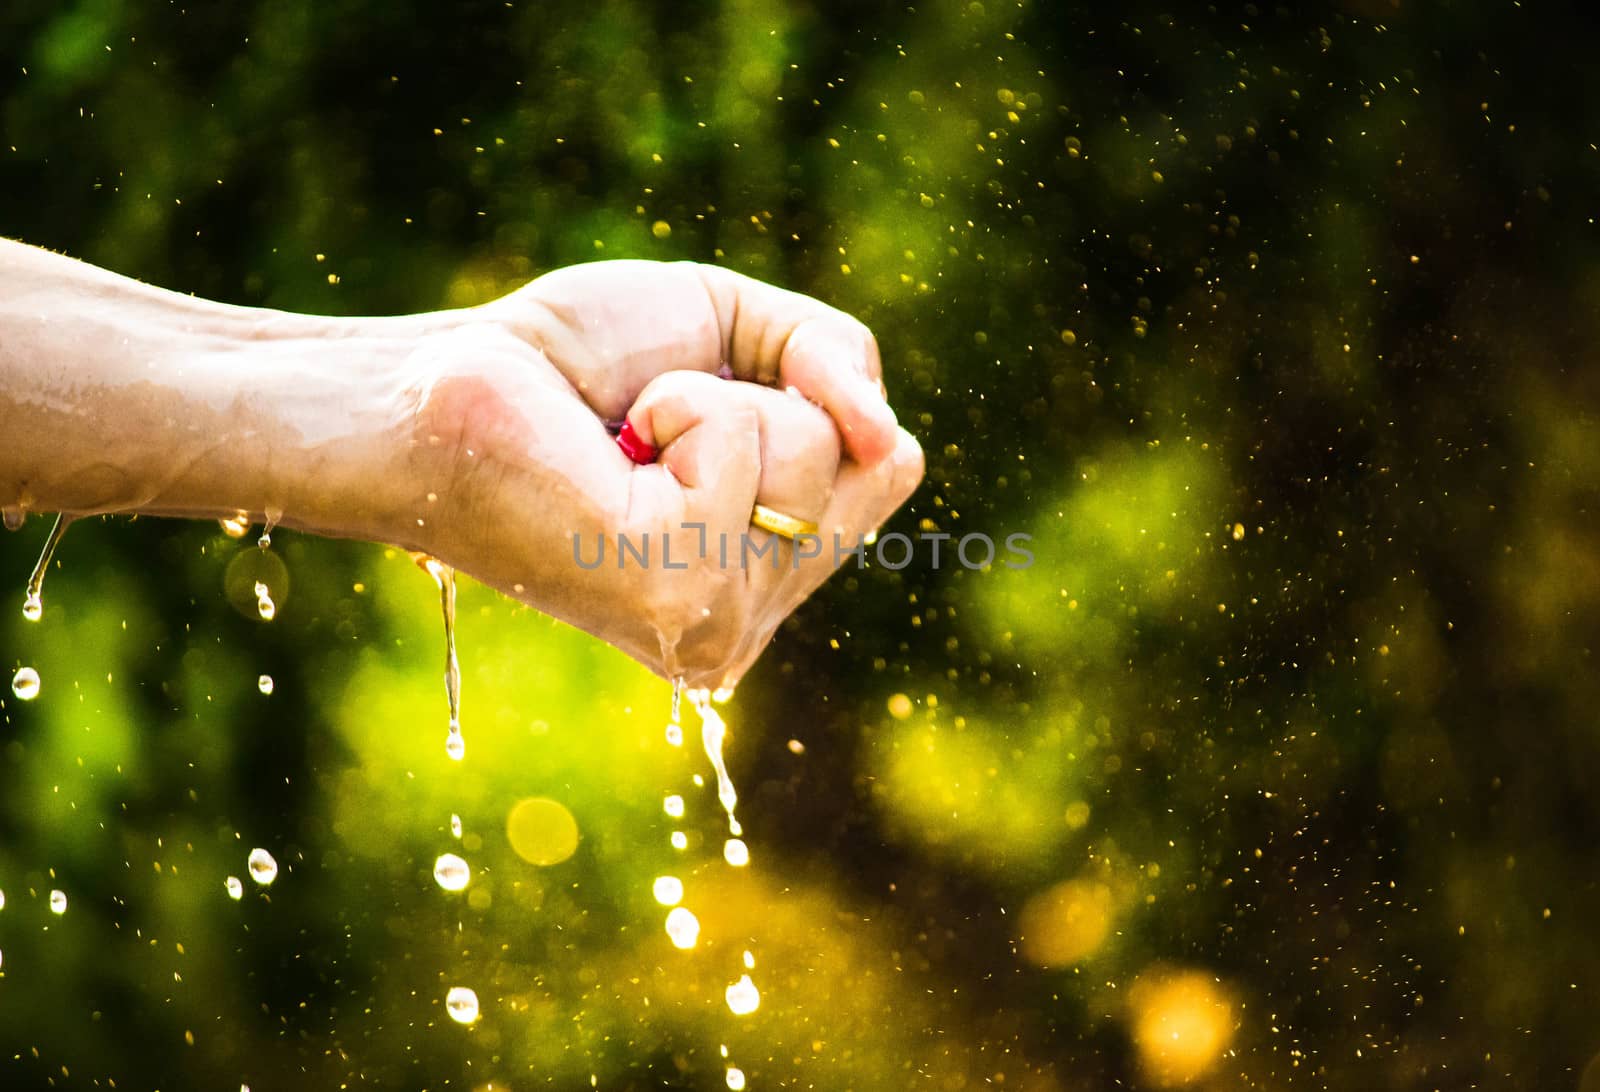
<point x="1274" y="327"/>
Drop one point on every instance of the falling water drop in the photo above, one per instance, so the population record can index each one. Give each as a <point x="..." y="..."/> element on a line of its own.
<point x="58" y="901"/>
<point x="462" y="1004"/>
<point x="735" y="852"/>
<point x="264" y="604"/>
<point x="668" y="890"/>
<point x="263" y="868"/>
<point x="2" y="900"/>
<point x="25" y="683"/>
<point x="264" y="684"/>
<point x="455" y="826"/>
<point x="445" y="577"/>
<point x="273" y="516"/>
<point x="451" y="872"/>
<point x="234" y="887"/>
<point x="675" y="719"/>
<point x="743" y="998"/>
<point x="33" y="603"/>
<point x="680" y="840"/>
<point x="735" y="1079"/>
<point x="683" y="927"/>
<point x="13" y="516"/>
<point x="673" y="806"/>
<point x="712" y="733"/>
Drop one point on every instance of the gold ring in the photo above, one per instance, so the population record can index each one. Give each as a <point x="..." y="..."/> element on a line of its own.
<point x="769" y="519"/>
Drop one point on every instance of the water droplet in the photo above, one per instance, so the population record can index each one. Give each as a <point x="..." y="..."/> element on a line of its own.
<point x="451" y="872"/>
<point x="13" y="516"/>
<point x="58" y="901"/>
<point x="735" y="852"/>
<point x="735" y="1079"/>
<point x="33" y="604"/>
<point x="273" y="516"/>
<point x="673" y="806"/>
<point x="263" y="868"/>
<point x="462" y="1004"/>
<point x="264" y="604"/>
<point x="264" y="684"/>
<point x="455" y="825"/>
<point x="2" y="900"/>
<point x="749" y="961"/>
<point x="234" y="887"/>
<point x="25" y="683"/>
<point x="712" y="733"/>
<point x="675" y="718"/>
<point x="683" y="927"/>
<point x="668" y="890"/>
<point x="235" y="526"/>
<point x="743" y="997"/>
<point x="445" y="577"/>
<point x="680" y="840"/>
<point x="722" y="695"/>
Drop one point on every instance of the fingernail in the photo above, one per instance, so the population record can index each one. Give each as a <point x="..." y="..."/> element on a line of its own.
<point x="633" y="447"/>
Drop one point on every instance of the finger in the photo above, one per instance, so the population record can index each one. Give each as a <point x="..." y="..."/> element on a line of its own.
<point x="709" y="442"/>
<point x="775" y="337"/>
<point x="863" y="498"/>
<point x="799" y="445"/>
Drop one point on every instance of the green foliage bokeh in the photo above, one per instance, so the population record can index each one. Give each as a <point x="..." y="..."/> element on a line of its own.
<point x="1273" y="329"/>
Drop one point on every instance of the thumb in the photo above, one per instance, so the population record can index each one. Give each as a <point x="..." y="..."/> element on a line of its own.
<point x="709" y="442"/>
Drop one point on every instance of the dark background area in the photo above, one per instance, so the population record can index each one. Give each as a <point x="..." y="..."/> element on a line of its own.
<point x="1274" y="327"/>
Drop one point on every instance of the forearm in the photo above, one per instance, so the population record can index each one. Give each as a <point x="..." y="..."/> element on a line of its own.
<point x="119" y="397"/>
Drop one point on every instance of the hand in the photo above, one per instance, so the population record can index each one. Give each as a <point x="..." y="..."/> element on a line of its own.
<point x="612" y="327"/>
<point x="478" y="436"/>
<point x="511" y="428"/>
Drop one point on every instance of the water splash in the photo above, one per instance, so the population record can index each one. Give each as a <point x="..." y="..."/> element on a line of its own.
<point x="712" y="733"/>
<point x="25" y="683"/>
<point x="462" y="1004"/>
<point x="445" y="577"/>
<point x="32" y="603"/>
<point x="264" y="604"/>
<point x="683" y="927"/>
<point x="451" y="872"/>
<point x="263" y="867"/>
<point x="743" y="998"/>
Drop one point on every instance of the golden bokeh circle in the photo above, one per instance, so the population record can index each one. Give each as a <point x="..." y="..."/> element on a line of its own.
<point x="542" y="831"/>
